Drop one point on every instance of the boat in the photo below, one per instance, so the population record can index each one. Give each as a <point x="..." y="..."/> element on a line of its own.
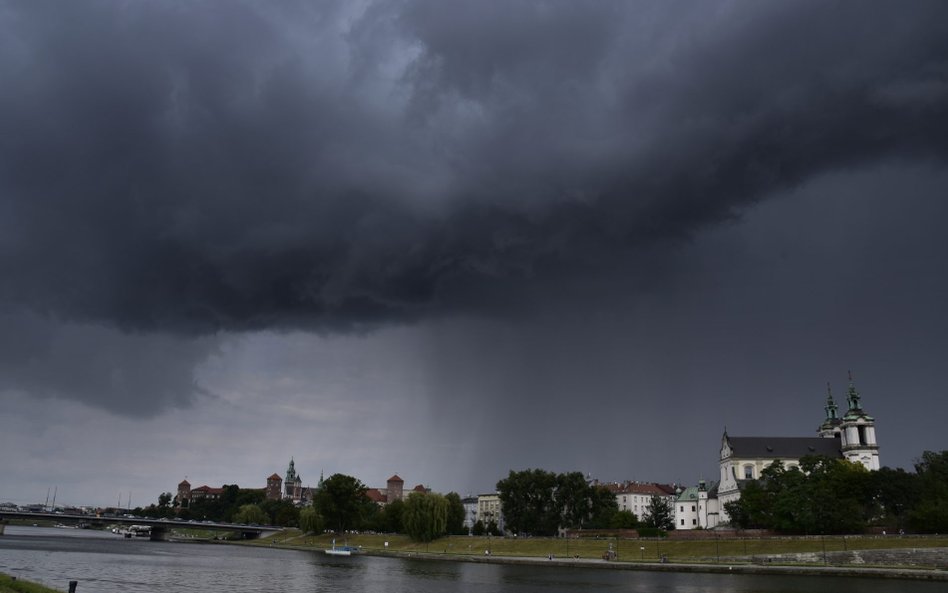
<point x="341" y="550"/>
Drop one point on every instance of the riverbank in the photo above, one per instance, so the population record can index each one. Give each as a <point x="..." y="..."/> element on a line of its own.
<point x="921" y="558"/>
<point x="735" y="568"/>
<point x="11" y="584"/>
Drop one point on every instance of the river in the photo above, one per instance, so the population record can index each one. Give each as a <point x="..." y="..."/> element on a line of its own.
<point x="105" y="563"/>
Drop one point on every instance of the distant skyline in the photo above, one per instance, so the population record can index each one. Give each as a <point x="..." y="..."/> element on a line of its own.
<point x="448" y="239"/>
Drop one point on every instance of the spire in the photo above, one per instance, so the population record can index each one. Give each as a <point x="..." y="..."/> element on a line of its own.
<point x="853" y="396"/>
<point x="831" y="409"/>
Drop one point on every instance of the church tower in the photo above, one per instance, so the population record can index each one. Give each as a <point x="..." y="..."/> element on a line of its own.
<point x="292" y="483"/>
<point x="858" y="432"/>
<point x="830" y="427"/>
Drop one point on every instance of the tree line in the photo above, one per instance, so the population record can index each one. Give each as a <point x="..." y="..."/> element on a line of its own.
<point x="542" y="503"/>
<point x="834" y="496"/>
<point x="341" y="504"/>
<point x="234" y="505"/>
<point x="821" y="495"/>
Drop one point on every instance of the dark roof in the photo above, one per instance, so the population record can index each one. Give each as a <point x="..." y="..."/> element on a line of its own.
<point x="648" y="489"/>
<point x="783" y="447"/>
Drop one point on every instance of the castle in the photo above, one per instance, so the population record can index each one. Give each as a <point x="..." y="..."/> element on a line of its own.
<point x="289" y="488"/>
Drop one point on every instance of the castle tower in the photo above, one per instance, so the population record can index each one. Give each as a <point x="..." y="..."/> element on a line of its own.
<point x="858" y="432"/>
<point x="274" y="486"/>
<point x="830" y="427"/>
<point x="184" y="494"/>
<point x="292" y="482"/>
<point x="394" y="489"/>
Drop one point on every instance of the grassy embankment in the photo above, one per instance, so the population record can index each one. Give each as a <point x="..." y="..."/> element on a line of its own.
<point x="8" y="585"/>
<point x="629" y="550"/>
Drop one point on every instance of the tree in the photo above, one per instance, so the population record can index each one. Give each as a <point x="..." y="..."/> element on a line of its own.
<point x="250" y="514"/>
<point x="479" y="528"/>
<point x="281" y="512"/>
<point x="426" y="516"/>
<point x="573" y="501"/>
<point x="342" y="502"/>
<point x="603" y="507"/>
<point x="527" y="498"/>
<point x="624" y="520"/>
<point x="822" y="495"/>
<point x="455" y="514"/>
<point x="931" y="510"/>
<point x="311" y="521"/>
<point x="658" y="514"/>
<point x="390" y="518"/>
<point x="896" y="492"/>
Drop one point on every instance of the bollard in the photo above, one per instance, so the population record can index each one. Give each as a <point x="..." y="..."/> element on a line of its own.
<point x="72" y="586"/>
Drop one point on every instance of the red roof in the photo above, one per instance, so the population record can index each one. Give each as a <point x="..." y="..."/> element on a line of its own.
<point x="184" y="483"/>
<point x="395" y="478"/>
<point x="374" y="495"/>
<point x="275" y="477"/>
<point x="420" y="488"/>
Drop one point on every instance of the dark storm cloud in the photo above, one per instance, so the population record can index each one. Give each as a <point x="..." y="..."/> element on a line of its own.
<point x="203" y="166"/>
<point x="127" y="374"/>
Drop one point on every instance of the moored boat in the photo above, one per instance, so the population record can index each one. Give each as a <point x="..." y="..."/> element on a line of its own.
<point x="341" y="550"/>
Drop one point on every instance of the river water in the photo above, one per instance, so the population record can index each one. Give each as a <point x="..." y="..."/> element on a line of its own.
<point x="106" y="563"/>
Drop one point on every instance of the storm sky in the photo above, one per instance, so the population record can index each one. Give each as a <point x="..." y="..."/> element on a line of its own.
<point x="448" y="239"/>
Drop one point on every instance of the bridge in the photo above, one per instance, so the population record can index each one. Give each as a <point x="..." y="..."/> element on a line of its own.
<point x="159" y="527"/>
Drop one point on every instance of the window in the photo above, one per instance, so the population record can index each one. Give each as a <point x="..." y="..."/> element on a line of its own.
<point x="682" y="522"/>
<point x="681" y="509"/>
<point x="694" y="521"/>
<point x="692" y="508"/>
<point x="748" y="472"/>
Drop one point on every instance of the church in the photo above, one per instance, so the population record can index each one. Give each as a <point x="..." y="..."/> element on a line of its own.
<point x="851" y="437"/>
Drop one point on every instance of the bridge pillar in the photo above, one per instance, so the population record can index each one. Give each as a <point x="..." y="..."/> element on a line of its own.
<point x="158" y="534"/>
<point x="3" y="524"/>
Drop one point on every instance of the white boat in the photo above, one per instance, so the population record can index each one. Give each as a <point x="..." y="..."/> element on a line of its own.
<point x="341" y="550"/>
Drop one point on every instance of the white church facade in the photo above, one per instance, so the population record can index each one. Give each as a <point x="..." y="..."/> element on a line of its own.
<point x="851" y="437"/>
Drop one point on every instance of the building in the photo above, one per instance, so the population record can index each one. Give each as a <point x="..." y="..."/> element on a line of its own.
<point x="636" y="496"/>
<point x="274" y="487"/>
<point x="206" y="492"/>
<point x="183" y="498"/>
<point x="292" y="483"/>
<point x="696" y="507"/>
<point x="394" y="489"/>
<point x="851" y="437"/>
<point x="489" y="510"/>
